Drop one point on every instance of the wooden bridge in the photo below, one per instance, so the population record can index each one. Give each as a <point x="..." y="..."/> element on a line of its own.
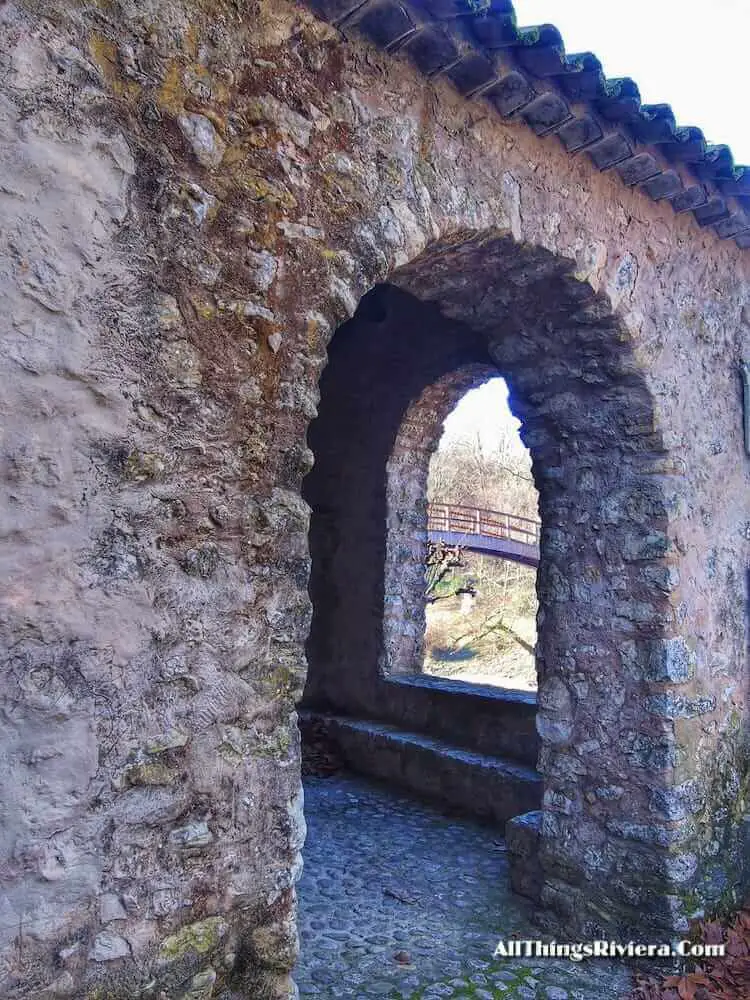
<point x="488" y="531"/>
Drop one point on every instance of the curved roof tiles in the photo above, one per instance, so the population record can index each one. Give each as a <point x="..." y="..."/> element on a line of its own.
<point x="526" y="73"/>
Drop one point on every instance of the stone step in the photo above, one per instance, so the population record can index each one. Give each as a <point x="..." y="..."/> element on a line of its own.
<point x="490" y="788"/>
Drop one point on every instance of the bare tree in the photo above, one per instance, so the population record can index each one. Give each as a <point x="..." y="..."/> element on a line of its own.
<point x="467" y="471"/>
<point x="497" y="476"/>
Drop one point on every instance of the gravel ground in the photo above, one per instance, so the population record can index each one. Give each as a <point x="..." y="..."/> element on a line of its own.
<point x="399" y="901"/>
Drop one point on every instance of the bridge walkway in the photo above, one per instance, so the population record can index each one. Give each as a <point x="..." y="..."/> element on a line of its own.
<point x="491" y="532"/>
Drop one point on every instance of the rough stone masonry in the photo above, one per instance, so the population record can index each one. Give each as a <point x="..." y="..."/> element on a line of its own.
<point x="195" y="195"/>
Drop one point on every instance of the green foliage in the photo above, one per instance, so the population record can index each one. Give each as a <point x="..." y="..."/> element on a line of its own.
<point x="469" y="990"/>
<point x="453" y="583"/>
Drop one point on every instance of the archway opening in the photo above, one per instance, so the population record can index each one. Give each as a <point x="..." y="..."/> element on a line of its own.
<point x="483" y="547"/>
<point x="464" y="311"/>
<point x="395" y="371"/>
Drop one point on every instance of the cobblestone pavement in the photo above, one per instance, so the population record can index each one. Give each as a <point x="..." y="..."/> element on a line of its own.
<point x="398" y="901"/>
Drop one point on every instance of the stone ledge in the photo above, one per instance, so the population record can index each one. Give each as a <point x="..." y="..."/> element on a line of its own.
<point x="486" y="692"/>
<point x="489" y="720"/>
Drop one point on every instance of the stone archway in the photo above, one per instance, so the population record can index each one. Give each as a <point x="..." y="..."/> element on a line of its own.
<point x="394" y="373"/>
<point x="465" y="303"/>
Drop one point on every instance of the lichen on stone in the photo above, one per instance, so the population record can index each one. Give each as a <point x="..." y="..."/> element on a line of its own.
<point x="197" y="939"/>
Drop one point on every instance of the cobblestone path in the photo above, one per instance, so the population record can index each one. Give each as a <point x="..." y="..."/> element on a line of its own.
<point x="398" y="901"/>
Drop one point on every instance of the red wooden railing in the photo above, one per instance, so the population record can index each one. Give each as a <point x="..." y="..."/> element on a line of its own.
<point x="476" y="521"/>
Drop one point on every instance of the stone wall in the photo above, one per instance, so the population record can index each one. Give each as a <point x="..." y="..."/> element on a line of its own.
<point x="196" y="195"/>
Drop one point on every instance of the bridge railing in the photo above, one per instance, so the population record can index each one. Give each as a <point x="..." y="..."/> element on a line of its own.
<point x="478" y="521"/>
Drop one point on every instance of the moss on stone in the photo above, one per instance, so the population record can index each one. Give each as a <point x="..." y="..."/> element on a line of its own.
<point x="276" y="745"/>
<point x="141" y="466"/>
<point x="199" y="938"/>
<point x="104" y="53"/>
<point x="263" y="189"/>
<point x="613" y="87"/>
<point x="724" y="882"/>
<point x="478" y="6"/>
<point x="150" y="774"/>
<point x="469" y="989"/>
<point x="529" y="36"/>
<point x="692" y="903"/>
<point x="285" y="682"/>
<point x="171" y="95"/>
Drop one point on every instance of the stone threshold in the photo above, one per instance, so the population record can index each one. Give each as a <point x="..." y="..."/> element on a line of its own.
<point x="493" y="721"/>
<point x="487" y="787"/>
